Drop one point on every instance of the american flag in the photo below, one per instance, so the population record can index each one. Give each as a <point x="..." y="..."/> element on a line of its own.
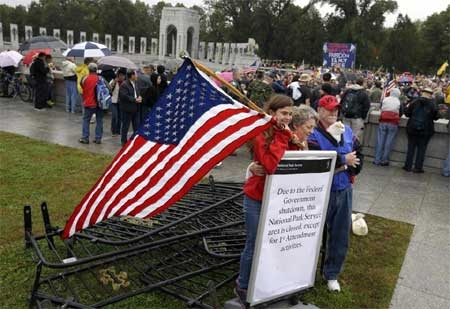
<point x="191" y="128"/>
<point x="387" y="89"/>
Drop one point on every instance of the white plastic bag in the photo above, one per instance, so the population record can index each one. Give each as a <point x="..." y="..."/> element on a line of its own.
<point x="359" y="225"/>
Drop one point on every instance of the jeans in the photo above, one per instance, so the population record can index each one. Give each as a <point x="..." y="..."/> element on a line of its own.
<point x="87" y="115"/>
<point x="446" y="167"/>
<point x="72" y="96"/>
<point x="419" y="143"/>
<point x="252" y="209"/>
<point x="385" y="138"/>
<point x="338" y="223"/>
<point x="127" y="119"/>
<point x="115" y="118"/>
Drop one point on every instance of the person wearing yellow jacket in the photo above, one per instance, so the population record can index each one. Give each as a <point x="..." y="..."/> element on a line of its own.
<point x="82" y="71"/>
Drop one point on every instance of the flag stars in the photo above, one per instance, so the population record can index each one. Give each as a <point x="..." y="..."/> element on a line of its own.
<point x="169" y="96"/>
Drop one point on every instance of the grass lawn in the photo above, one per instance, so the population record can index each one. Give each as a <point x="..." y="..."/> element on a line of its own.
<point x="32" y="171"/>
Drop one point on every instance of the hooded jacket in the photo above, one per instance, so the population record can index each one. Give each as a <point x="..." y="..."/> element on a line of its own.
<point x="391" y="108"/>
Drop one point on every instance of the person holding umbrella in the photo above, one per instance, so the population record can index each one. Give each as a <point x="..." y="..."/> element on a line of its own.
<point x="38" y="72"/>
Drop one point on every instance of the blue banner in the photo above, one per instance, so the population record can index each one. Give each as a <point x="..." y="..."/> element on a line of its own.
<point x="339" y="54"/>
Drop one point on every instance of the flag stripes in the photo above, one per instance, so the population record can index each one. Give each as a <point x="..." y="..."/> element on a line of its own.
<point x="147" y="176"/>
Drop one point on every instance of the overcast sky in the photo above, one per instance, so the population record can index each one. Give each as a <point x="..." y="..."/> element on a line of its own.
<point x="414" y="9"/>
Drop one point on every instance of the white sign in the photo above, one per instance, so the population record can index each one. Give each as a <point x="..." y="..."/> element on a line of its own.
<point x="290" y="227"/>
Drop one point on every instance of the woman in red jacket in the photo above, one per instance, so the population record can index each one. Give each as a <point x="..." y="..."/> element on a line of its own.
<point x="268" y="149"/>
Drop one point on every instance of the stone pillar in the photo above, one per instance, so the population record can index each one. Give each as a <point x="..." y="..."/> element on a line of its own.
<point x="95" y="37"/>
<point x="234" y="47"/>
<point x="108" y="41"/>
<point x="28" y="32"/>
<point x="69" y="38"/>
<point x="57" y="33"/>
<point x="119" y="44"/>
<point x="154" y="47"/>
<point x="226" y="53"/>
<point x="143" y="46"/>
<point x="42" y="31"/>
<point x="1" y="34"/>
<point x="83" y="36"/>
<point x="210" y="52"/>
<point x="179" y="44"/>
<point x="162" y="46"/>
<point x="14" y="32"/>
<point x="202" y="51"/>
<point x="218" y="57"/>
<point x="131" y="44"/>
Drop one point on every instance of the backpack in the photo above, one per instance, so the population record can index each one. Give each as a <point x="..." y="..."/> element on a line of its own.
<point x="349" y="104"/>
<point x="103" y="95"/>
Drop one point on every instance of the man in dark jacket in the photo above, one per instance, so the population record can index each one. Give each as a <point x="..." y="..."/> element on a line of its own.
<point x="129" y="99"/>
<point x="355" y="106"/>
<point x="38" y="72"/>
<point x="420" y="127"/>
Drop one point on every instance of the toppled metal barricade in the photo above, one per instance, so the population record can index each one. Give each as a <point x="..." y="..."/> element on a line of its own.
<point x="188" y="251"/>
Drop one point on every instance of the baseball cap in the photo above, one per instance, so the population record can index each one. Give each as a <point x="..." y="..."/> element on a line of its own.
<point x="329" y="102"/>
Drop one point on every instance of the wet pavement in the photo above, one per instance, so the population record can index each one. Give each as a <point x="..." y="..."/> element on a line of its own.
<point x="420" y="199"/>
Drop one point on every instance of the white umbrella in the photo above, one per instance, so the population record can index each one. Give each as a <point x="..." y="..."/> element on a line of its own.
<point x="115" y="62"/>
<point x="10" y="58"/>
<point x="87" y="49"/>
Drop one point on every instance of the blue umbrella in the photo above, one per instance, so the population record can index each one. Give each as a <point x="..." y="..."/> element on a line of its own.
<point x="88" y="49"/>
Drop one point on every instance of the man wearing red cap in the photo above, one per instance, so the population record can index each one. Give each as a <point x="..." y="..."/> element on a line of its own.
<point x="348" y="164"/>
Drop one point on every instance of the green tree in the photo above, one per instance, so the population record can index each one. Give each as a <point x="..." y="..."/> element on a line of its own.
<point x="434" y="35"/>
<point x="401" y="50"/>
<point x="359" y="22"/>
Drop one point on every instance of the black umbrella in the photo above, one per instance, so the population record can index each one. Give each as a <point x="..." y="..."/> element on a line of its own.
<point x="43" y="41"/>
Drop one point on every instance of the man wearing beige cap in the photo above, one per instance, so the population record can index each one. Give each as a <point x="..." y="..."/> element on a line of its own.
<point x="420" y="128"/>
<point x="305" y="90"/>
<point x="69" y="70"/>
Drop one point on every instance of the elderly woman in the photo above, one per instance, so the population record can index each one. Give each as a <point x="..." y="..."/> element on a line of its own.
<point x="304" y="120"/>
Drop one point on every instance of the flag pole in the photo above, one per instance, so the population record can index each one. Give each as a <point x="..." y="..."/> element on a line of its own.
<point x="250" y="104"/>
<point x="240" y="95"/>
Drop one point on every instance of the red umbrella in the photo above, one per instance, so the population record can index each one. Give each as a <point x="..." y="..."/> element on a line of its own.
<point x="28" y="59"/>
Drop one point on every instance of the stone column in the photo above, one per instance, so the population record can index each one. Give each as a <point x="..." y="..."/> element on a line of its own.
<point x="218" y="57"/>
<point x="28" y="32"/>
<point x="179" y="46"/>
<point x="143" y="46"/>
<point x="95" y="37"/>
<point x="119" y="44"/>
<point x="131" y="44"/>
<point x="42" y="31"/>
<point x="1" y="34"/>
<point x="14" y="32"/>
<point x="202" y="51"/>
<point x="162" y="46"/>
<point x="226" y="53"/>
<point x="234" y="48"/>
<point x="154" y="47"/>
<point x="57" y="33"/>
<point x="108" y="41"/>
<point x="83" y="36"/>
<point x="69" y="38"/>
<point x="210" y="53"/>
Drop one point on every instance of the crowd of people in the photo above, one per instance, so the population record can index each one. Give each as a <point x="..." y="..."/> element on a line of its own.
<point x="419" y="98"/>
<point x="324" y="112"/>
<point x="133" y="93"/>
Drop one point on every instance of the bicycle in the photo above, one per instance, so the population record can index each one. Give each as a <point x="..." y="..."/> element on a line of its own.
<point x="16" y="87"/>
